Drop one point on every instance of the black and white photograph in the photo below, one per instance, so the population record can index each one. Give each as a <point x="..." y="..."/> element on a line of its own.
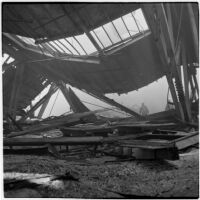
<point x="100" y="100"/>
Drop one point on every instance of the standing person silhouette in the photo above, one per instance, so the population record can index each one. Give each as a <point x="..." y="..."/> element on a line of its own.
<point x="144" y="110"/>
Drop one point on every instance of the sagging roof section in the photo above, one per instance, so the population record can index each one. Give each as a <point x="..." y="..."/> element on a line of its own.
<point x="123" y="39"/>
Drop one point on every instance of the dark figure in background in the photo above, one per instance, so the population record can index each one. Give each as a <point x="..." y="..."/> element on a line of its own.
<point x="144" y="110"/>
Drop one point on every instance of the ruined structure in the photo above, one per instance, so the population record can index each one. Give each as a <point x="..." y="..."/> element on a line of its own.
<point x="101" y="49"/>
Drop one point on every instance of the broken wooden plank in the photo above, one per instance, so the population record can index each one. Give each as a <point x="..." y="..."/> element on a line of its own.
<point x="20" y="73"/>
<point x="144" y="144"/>
<point x="44" y="128"/>
<point x="118" y="105"/>
<point x="39" y="103"/>
<point x="68" y="120"/>
<point x="44" y="105"/>
<point x="17" y="82"/>
<point x="53" y="141"/>
<point x="194" y="28"/>
<point x="186" y="83"/>
<point x="187" y="141"/>
<point x="76" y="105"/>
<point x="63" y="140"/>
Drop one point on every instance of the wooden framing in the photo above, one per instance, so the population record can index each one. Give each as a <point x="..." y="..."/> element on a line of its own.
<point x="114" y="103"/>
<point x="44" y="105"/>
<point x="165" y="42"/>
<point x="196" y="83"/>
<point x="177" y="104"/>
<point x="62" y="56"/>
<point x="83" y="27"/>
<point x="192" y="87"/>
<point x="38" y="104"/>
<point x="194" y="29"/>
<point x="186" y="83"/>
<point x="75" y="103"/>
<point x="16" y="86"/>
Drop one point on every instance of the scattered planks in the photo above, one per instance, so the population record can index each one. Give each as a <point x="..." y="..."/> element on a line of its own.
<point x="123" y="128"/>
<point x="69" y="120"/>
<point x="54" y="141"/>
<point x="62" y="140"/>
<point x="146" y="141"/>
<point x="140" y="146"/>
<point x="191" y="139"/>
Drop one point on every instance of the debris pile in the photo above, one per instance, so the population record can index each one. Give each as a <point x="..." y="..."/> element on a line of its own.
<point x="73" y="135"/>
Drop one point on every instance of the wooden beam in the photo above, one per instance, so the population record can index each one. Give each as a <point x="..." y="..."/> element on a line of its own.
<point x="65" y="92"/>
<point x="151" y="21"/>
<point x="196" y="83"/>
<point x="84" y="59"/>
<point x="17" y="83"/>
<point x="44" y="105"/>
<point x="38" y="104"/>
<point x="63" y="56"/>
<point x="128" y="42"/>
<point x="114" y="103"/>
<point x="186" y="83"/>
<point x="46" y="127"/>
<point x="187" y="141"/>
<point x="18" y="89"/>
<point x="14" y="85"/>
<point x="23" y="44"/>
<point x="170" y="21"/>
<point x="177" y="104"/>
<point x="178" y="58"/>
<point x="192" y="86"/>
<point x="75" y="103"/>
<point x="194" y="29"/>
<point x="165" y="43"/>
<point x="54" y="141"/>
<point x="166" y="29"/>
<point x="69" y="120"/>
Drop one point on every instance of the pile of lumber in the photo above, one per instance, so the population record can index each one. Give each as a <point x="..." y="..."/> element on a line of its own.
<point x="142" y="139"/>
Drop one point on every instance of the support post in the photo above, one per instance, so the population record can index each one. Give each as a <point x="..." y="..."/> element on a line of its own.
<point x="194" y="29"/>
<point x="192" y="87"/>
<point x="43" y="107"/>
<point x="163" y="35"/>
<point x="177" y="104"/>
<point x="186" y="83"/>
<point x="16" y="86"/>
<point x="65" y="92"/>
<point x="196" y="83"/>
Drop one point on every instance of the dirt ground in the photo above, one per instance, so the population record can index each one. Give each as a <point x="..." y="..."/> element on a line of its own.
<point x="96" y="180"/>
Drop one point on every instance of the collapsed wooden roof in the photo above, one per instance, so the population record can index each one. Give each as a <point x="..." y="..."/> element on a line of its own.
<point x="42" y="20"/>
<point x="121" y="67"/>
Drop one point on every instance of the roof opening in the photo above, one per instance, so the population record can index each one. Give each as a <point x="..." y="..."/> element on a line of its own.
<point x="111" y="34"/>
<point x="121" y="29"/>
